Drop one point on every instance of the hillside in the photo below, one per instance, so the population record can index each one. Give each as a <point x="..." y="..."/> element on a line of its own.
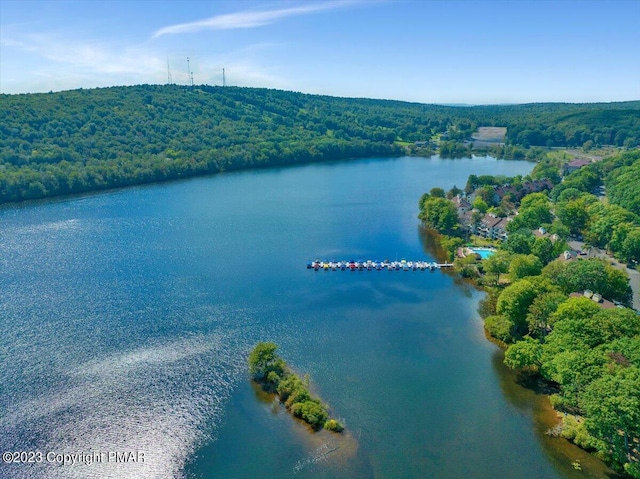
<point x="83" y="140"/>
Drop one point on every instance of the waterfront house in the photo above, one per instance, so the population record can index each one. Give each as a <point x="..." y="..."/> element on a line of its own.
<point x="462" y="204"/>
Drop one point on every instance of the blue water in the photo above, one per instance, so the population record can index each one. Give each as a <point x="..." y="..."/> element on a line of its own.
<point x="484" y="253"/>
<point x="126" y="318"/>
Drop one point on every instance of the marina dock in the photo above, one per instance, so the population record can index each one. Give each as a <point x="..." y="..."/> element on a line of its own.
<point x="368" y="265"/>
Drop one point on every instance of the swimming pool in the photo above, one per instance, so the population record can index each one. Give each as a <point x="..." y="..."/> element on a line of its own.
<point x="483" y="252"/>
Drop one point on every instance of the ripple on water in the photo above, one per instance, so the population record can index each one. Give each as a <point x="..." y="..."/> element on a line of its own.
<point x="161" y="400"/>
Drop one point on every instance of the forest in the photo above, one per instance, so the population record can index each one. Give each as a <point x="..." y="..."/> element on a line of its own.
<point x="91" y="139"/>
<point x="587" y="355"/>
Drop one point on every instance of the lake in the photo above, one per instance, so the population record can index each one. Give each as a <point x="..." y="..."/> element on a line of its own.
<point x="126" y="318"/>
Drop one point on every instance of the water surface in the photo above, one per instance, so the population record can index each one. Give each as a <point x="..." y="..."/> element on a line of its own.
<point x="126" y="318"/>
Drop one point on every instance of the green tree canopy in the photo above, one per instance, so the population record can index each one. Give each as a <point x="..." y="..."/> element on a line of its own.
<point x="439" y="214"/>
<point x="592" y="274"/>
<point x="514" y="304"/>
<point x="264" y="359"/>
<point x="497" y="264"/>
<point x="523" y="265"/>
<point x="612" y="407"/>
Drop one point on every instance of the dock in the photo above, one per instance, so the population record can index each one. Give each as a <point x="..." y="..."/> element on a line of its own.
<point x="368" y="265"/>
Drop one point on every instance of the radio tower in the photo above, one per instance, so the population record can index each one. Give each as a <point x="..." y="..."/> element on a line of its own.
<point x="189" y="75"/>
<point x="224" y="79"/>
<point x="169" y="79"/>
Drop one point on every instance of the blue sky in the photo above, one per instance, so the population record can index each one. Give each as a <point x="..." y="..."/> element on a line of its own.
<point x="428" y="51"/>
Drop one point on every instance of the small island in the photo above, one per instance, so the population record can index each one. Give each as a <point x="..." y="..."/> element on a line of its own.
<point x="270" y="371"/>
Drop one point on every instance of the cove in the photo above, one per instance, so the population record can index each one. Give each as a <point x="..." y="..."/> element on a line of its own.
<point x="127" y="318"/>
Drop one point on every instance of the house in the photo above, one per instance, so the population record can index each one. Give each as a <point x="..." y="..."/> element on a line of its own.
<point x="543" y="233"/>
<point x="491" y="227"/>
<point x="574" y="166"/>
<point x="595" y="297"/>
<point x="501" y="191"/>
<point x="462" y="204"/>
<point x="499" y="230"/>
<point x="534" y="186"/>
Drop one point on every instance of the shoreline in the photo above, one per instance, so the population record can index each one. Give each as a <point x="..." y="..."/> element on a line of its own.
<point x="579" y="461"/>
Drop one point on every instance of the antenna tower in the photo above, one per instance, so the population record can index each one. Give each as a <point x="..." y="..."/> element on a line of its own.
<point x="169" y="78"/>
<point x="224" y="79"/>
<point x="189" y="75"/>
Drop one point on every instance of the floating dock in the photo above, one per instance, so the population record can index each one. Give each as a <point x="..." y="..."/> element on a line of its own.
<point x="368" y="265"/>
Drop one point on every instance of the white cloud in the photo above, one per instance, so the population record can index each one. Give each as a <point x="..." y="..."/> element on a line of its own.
<point x="250" y="18"/>
<point x="55" y="61"/>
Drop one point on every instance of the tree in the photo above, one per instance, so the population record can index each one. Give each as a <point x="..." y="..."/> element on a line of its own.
<point x="619" y="235"/>
<point x="524" y="265"/>
<point x="439" y="214"/>
<point x="612" y="407"/>
<point x="499" y="327"/>
<point x="437" y="192"/>
<point x="519" y="243"/>
<point x="541" y="310"/>
<point x="451" y="244"/>
<point x="514" y="304"/>
<point x="603" y="221"/>
<point x="630" y="251"/>
<point x="263" y="359"/>
<point x="558" y="228"/>
<point x="497" y="264"/>
<point x="453" y="192"/>
<point x="311" y="412"/>
<point x="567" y="319"/>
<point x="574" y="214"/>
<point x="543" y="249"/>
<point x="486" y="193"/>
<point x="595" y="275"/>
<point x="480" y="205"/>
<point x="524" y="354"/>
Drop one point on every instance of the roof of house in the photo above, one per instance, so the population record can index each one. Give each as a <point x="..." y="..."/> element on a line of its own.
<point x="461" y="202"/>
<point x="502" y="224"/>
<point x="579" y="163"/>
<point x="492" y="221"/>
<point x="527" y="187"/>
<point x="603" y="303"/>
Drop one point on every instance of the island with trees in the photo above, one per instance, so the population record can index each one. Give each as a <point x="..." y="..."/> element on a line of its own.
<point x="563" y="315"/>
<point x="269" y="370"/>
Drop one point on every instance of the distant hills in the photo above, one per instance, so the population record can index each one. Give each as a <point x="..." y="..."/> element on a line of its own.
<point x="83" y="140"/>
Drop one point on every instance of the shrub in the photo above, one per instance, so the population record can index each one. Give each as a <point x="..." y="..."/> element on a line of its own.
<point x="333" y="425"/>
<point x="311" y="412"/>
<point x="499" y="327"/>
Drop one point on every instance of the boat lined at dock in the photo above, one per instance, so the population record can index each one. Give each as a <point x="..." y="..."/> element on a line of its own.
<point x="369" y="265"/>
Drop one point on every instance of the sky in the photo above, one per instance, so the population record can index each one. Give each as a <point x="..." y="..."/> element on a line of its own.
<point x="426" y="51"/>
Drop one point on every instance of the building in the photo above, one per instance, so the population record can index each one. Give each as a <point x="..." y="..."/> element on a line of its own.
<point x="596" y="298"/>
<point x="462" y="204"/>
<point x="491" y="227"/>
<point x="574" y="166"/>
<point x="534" y="186"/>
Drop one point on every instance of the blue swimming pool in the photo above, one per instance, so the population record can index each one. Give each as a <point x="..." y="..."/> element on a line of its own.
<point x="483" y="252"/>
